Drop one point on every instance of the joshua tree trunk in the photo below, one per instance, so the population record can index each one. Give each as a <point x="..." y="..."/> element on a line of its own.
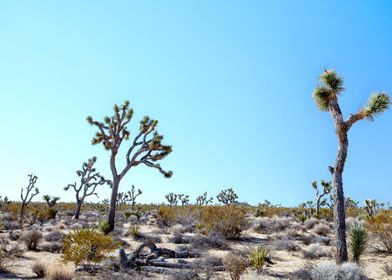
<point x="318" y="206"/>
<point x="337" y="182"/>
<point x="113" y="203"/>
<point x="77" y="209"/>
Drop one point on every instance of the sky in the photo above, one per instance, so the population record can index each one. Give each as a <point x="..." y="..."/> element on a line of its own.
<point x="229" y="81"/>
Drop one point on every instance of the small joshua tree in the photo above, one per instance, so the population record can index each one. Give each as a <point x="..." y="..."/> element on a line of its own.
<point x="371" y="207"/>
<point x="310" y="205"/>
<point x="326" y="189"/>
<point x="172" y="199"/>
<point x="133" y="194"/>
<point x="184" y="199"/>
<point x="28" y="196"/>
<point x="51" y="201"/>
<point x="203" y="200"/>
<point x="146" y="147"/>
<point x="227" y="196"/>
<point x="325" y="96"/>
<point x="90" y="179"/>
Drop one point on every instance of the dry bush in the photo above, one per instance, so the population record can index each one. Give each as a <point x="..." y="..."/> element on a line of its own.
<point x="311" y="223"/>
<point x="53" y="236"/>
<point x="5" y="263"/>
<point x="39" y="269"/>
<point x="311" y="238"/>
<point x="86" y="246"/>
<point x="165" y="215"/>
<point x="32" y="239"/>
<point x="387" y="269"/>
<point x="52" y="247"/>
<point x="59" y="272"/>
<point x="14" y="235"/>
<point x="235" y="265"/>
<point x="322" y="229"/>
<point x="315" y="251"/>
<point x="381" y="228"/>
<point x="285" y="245"/>
<point x="212" y="240"/>
<point x="228" y="221"/>
<point x="274" y="224"/>
<point x="329" y="271"/>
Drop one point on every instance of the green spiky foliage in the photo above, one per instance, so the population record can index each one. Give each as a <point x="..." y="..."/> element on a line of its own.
<point x="371" y="207"/>
<point x="357" y="241"/>
<point x="51" y="201"/>
<point x="172" y="199"/>
<point x="145" y="149"/>
<point x="331" y="85"/>
<point x="227" y="196"/>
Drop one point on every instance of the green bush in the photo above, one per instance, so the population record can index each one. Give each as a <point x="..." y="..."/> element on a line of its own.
<point x="86" y="246"/>
<point x="104" y="227"/>
<point x="257" y="257"/>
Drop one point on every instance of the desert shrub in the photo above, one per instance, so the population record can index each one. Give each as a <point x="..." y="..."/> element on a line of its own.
<point x="235" y="265"/>
<point x="228" y="220"/>
<point x="357" y="241"/>
<point x="53" y="236"/>
<point x="256" y="257"/>
<point x="273" y="224"/>
<point x="387" y="269"/>
<point x="165" y="215"/>
<point x="329" y="270"/>
<point x="381" y="228"/>
<point x="14" y="235"/>
<point x="32" y="239"/>
<point x="52" y="247"/>
<point x="211" y="240"/>
<point x="10" y="225"/>
<point x="134" y="232"/>
<point x="5" y="264"/>
<point x="322" y="229"/>
<point x="285" y="245"/>
<point x="311" y="223"/>
<point x="311" y="238"/>
<point x="85" y="246"/>
<point x="39" y="269"/>
<point x="59" y="272"/>
<point x="104" y="227"/>
<point x="314" y="251"/>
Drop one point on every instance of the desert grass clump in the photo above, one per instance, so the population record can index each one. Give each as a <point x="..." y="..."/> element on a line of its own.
<point x="381" y="228"/>
<point x="32" y="239"/>
<point x="357" y="241"/>
<point x="256" y="257"/>
<point x="59" y="272"/>
<point x="134" y="232"/>
<point x="329" y="270"/>
<point x="212" y="240"/>
<point x="86" y="246"/>
<point x="104" y="227"/>
<point x="322" y="229"/>
<point x="235" y="265"/>
<point x="39" y="269"/>
<point x="315" y="251"/>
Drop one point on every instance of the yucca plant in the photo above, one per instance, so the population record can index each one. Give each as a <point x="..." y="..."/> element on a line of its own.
<point x="257" y="257"/>
<point x="325" y="96"/>
<point x="357" y="241"/>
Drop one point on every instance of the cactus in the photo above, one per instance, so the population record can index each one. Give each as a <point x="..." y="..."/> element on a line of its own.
<point x="89" y="181"/>
<point x="227" y="196"/>
<point x="172" y="199"/>
<point x="28" y="196"/>
<point x="203" y="200"/>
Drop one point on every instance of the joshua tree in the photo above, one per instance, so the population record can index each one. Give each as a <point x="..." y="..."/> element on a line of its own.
<point x="133" y="195"/>
<point x="203" y="200"/>
<point x="28" y="196"/>
<point x="89" y="181"/>
<point x="172" y="199"/>
<point x="184" y="199"/>
<point x="50" y="200"/>
<point x="371" y="207"/>
<point x="227" y="196"/>
<point x="326" y="189"/>
<point x="146" y="148"/>
<point x="310" y="205"/>
<point x="325" y="96"/>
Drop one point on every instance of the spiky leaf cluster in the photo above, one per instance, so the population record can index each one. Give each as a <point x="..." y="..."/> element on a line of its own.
<point x="377" y="104"/>
<point x="330" y="86"/>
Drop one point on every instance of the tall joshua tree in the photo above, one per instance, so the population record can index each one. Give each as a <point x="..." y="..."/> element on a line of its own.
<point x="326" y="189"/>
<point x="89" y="181"/>
<point x="325" y="96"/>
<point x="146" y="147"/>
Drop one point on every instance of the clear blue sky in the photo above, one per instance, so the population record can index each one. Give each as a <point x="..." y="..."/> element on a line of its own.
<point x="229" y="81"/>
